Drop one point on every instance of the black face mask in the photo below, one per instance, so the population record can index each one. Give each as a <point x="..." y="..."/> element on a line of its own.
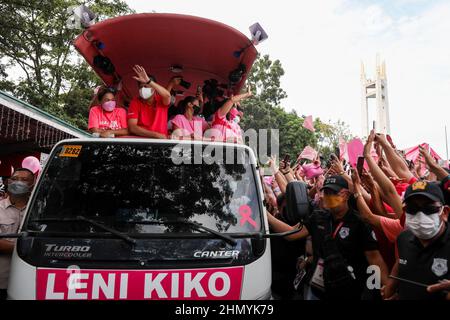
<point x="196" y="110"/>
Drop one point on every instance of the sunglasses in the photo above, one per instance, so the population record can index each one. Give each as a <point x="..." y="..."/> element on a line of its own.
<point x="330" y="192"/>
<point x="428" y="210"/>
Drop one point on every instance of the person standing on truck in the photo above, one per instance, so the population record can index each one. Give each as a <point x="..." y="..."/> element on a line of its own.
<point x="148" y="113"/>
<point x="12" y="210"/>
<point x="107" y="119"/>
<point x="223" y="128"/>
<point x="189" y="124"/>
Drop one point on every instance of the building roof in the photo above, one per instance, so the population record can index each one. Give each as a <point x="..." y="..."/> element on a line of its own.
<point x="24" y="127"/>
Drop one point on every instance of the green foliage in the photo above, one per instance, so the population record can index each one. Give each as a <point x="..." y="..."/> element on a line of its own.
<point x="37" y="60"/>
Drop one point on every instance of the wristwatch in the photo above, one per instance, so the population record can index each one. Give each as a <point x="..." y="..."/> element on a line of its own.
<point x="150" y="79"/>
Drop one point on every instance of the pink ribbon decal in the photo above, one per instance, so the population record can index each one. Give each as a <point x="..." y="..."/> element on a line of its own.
<point x="246" y="212"/>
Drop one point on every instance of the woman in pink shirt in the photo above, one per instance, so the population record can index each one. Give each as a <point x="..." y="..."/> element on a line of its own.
<point x="106" y="119"/>
<point x="223" y="125"/>
<point x="189" y="124"/>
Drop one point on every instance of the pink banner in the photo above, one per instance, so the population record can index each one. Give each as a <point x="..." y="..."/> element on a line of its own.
<point x="195" y="284"/>
<point x="308" y="124"/>
<point x="308" y="153"/>
<point x="355" y="149"/>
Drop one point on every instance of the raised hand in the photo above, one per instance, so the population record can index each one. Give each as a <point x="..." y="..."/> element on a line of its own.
<point x="355" y="177"/>
<point x="336" y="167"/>
<point x="367" y="181"/>
<point x="426" y="155"/>
<point x="369" y="143"/>
<point x="141" y="75"/>
<point x="272" y="164"/>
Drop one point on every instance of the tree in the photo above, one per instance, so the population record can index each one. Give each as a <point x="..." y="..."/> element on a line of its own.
<point x="36" y="38"/>
<point x="329" y="134"/>
<point x="263" y="110"/>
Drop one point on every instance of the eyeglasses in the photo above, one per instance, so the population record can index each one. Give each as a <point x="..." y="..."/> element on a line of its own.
<point x="428" y="210"/>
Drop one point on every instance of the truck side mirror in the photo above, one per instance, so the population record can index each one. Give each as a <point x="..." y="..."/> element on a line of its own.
<point x="297" y="202"/>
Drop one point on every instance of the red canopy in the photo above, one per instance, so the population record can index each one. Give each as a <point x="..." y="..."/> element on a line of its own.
<point x="204" y="48"/>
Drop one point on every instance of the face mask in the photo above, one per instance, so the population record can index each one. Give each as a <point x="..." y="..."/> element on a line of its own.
<point x="237" y="119"/>
<point x="109" y="106"/>
<point x="423" y="226"/>
<point x="196" y="110"/>
<point x="332" y="201"/>
<point x="145" y="93"/>
<point x="18" y="188"/>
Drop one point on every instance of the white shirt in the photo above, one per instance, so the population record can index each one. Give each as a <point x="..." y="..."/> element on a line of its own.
<point x="10" y="219"/>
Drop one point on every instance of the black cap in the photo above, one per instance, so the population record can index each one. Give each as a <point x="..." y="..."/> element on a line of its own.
<point x="336" y="183"/>
<point x="431" y="190"/>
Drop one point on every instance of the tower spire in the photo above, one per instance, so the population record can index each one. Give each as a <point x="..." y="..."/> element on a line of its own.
<point x="376" y="89"/>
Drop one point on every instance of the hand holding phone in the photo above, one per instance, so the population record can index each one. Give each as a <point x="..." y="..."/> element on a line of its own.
<point x="360" y="165"/>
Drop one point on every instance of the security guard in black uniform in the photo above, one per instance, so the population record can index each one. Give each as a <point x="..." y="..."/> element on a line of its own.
<point x="424" y="248"/>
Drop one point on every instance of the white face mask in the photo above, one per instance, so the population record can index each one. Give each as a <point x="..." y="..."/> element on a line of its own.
<point x="423" y="226"/>
<point x="145" y="92"/>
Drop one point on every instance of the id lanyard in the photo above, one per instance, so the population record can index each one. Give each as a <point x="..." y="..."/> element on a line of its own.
<point x="337" y="229"/>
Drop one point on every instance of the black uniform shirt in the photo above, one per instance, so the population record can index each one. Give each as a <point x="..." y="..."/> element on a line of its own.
<point x="353" y="238"/>
<point x="426" y="265"/>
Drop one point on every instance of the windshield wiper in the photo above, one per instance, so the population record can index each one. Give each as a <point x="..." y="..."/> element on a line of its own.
<point x="192" y="224"/>
<point x="94" y="223"/>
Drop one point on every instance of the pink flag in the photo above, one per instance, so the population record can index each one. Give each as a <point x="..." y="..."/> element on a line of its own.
<point x="308" y="124"/>
<point x="308" y="153"/>
<point x="355" y="150"/>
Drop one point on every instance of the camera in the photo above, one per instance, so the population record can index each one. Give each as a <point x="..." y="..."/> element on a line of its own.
<point x="235" y="76"/>
<point x="211" y="89"/>
<point x="185" y="84"/>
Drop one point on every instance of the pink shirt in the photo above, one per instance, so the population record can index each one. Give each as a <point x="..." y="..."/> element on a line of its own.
<point x="224" y="130"/>
<point x="114" y="120"/>
<point x="186" y="127"/>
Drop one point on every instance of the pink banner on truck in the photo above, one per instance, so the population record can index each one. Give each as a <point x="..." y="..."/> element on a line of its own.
<point x="195" y="284"/>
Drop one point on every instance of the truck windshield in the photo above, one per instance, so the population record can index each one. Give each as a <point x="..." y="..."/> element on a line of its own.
<point x="135" y="188"/>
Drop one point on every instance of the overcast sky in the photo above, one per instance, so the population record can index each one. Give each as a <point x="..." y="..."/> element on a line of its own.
<point x="321" y="44"/>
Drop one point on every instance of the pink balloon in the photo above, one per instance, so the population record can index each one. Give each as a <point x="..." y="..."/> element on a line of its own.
<point x="32" y="164"/>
